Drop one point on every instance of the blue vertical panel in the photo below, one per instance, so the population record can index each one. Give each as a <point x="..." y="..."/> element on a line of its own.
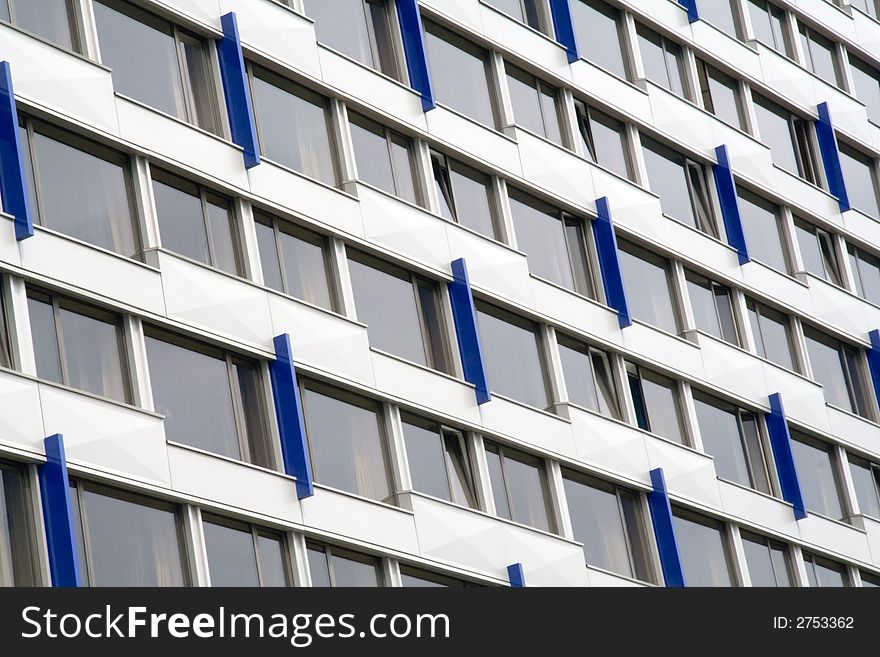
<point x="563" y="25"/>
<point x="288" y="410"/>
<point x="13" y="179"/>
<point x="831" y="156"/>
<point x="874" y="360"/>
<point x="609" y="261"/>
<point x="726" y="187"/>
<point x="464" y="314"/>
<point x="691" y="6"/>
<point x="413" y="34"/>
<point x="58" y="515"/>
<point x="664" y="531"/>
<point x="780" y="440"/>
<point x="516" y="576"/>
<point x="237" y="91"/>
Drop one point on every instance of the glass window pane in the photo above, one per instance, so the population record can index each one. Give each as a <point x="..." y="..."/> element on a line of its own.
<point x="386" y="303"/>
<point x="220" y="224"/>
<point x="471" y="190"/>
<point x="816" y="474"/>
<point x="231" y="557"/>
<point x="355" y="572"/>
<point x="458" y="468"/>
<point x="817" y="251"/>
<point x="773" y="124"/>
<point x="653" y="56"/>
<point x="597" y="28"/>
<point x="522" y="378"/>
<point x="720" y="14"/>
<point x="525" y="101"/>
<point x="766" y="560"/>
<point x="819" y="54"/>
<point x="45" y="339"/>
<point x="703" y="553"/>
<point x="547" y="97"/>
<point x="351" y="36"/>
<point x="318" y="567"/>
<point x="346" y="442"/>
<point x="668" y="179"/>
<point x="141" y="50"/>
<point x="383" y="23"/>
<point x="711" y="306"/>
<point x="131" y="543"/>
<point x="401" y="155"/>
<point x="763" y="233"/>
<point x="646" y="278"/>
<point x="271" y="553"/>
<point x="719" y="428"/>
<point x="861" y="185"/>
<point x="191" y="389"/>
<point x="304" y="256"/>
<point x="866" y="481"/>
<point x="51" y="19"/>
<point x="661" y="403"/>
<point x="723" y="91"/>
<point x="16" y="558"/>
<point x="767" y="23"/>
<point x="540" y="233"/>
<point x="371" y="152"/>
<point x="458" y="73"/>
<point x="83" y="195"/>
<point x="181" y="222"/>
<point x="588" y="378"/>
<point x="200" y="76"/>
<point x="269" y="262"/>
<point x="772" y="333"/>
<point x="426" y="457"/>
<point x="866" y="271"/>
<point x="824" y="573"/>
<point x="526" y="491"/>
<point x="293" y="124"/>
<point x="867" y="86"/>
<point x="249" y="391"/>
<point x="92" y="354"/>
<point x="413" y="577"/>
<point x="608" y="141"/>
<point x="496" y="478"/>
<point x="827" y="366"/>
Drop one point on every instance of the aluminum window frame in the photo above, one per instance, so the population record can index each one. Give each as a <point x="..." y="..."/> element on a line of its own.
<point x="256" y="532"/>
<point x="76" y="25"/>
<point x="634" y="375"/>
<point x="388" y="136"/>
<point x="329" y="551"/>
<point x="30" y="520"/>
<point x="766" y="541"/>
<point x="592" y="352"/>
<point x="540" y="464"/>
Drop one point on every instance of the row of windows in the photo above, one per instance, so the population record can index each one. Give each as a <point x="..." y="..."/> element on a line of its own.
<point x="127" y="539"/>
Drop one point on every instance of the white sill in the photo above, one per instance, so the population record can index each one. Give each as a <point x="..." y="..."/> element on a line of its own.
<point x="229" y="459"/>
<point x="221" y="138"/>
<point x="369" y="500"/>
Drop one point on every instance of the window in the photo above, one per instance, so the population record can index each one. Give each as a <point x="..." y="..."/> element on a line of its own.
<point x="733" y="437"/>
<point x="824" y="572"/>
<point x="869" y="580"/>
<point x="6" y="359"/>
<point x="768" y="23"/>
<point x="211" y="399"/>
<point x="859" y="173"/>
<point x="866" y="79"/>
<point x="720" y="94"/>
<point x="663" y="61"/>
<point x="439" y="463"/>
<point x="588" y="377"/>
<point x="681" y="185"/>
<point x="719" y="13"/>
<point x="402" y="311"/>
<point x="346" y="440"/>
<point x="656" y="403"/>
<point x="866" y="272"/>
<point x="608" y="521"/>
<point x="712" y="307"/>
<point x="530" y="12"/>
<point x="534" y="104"/>
<point x="817" y="251"/>
<point x="78" y="345"/>
<point x="416" y="577"/>
<point x="17" y="563"/>
<point x="519" y="487"/>
<point x="867" y="6"/>
<point x="127" y="540"/>
<point x="771" y="331"/>
<point x="464" y="194"/>
<point x="158" y="63"/>
<point x="763" y="230"/>
<point x="368" y="33"/>
<point x="703" y="549"/>
<point x="647" y="281"/>
<point x="459" y="74"/>
<point x="816" y="471"/>
<point x="599" y="33"/>
<point x="79" y="188"/>
<point x="54" y="20"/>
<point x="790" y="139"/>
<point x="838" y="368"/>
<point x="767" y="561"/>
<point x="866" y="481"/>
<point x="384" y="157"/>
<point x="604" y="139"/>
<point x="295" y="260"/>
<point x="331" y="566"/>
<point x="503" y="334"/>
<point x="819" y="55"/>
<point x="554" y="241"/>
<point x="243" y="555"/>
<point x="294" y="125"/>
<point x="196" y="222"/>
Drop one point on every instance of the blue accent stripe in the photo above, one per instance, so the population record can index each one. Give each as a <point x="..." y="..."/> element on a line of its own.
<point x="13" y="179"/>
<point x="516" y="576"/>
<point x="237" y="91"/>
<point x="464" y="313"/>
<point x="874" y="360"/>
<point x="413" y="34"/>
<point x="664" y="531"/>
<point x="831" y="156"/>
<point x="692" y="12"/>
<point x="288" y="410"/>
<point x="780" y="440"/>
<point x="58" y="515"/>
<point x="726" y="187"/>
<point x="563" y="25"/>
<point x="609" y="261"/>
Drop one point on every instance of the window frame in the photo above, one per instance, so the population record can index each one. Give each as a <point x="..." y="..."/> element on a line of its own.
<point x="442" y="166"/>
<point x="256" y="532"/>
<point x="591" y="352"/>
<point x="388" y="136"/>
<point x="29" y="519"/>
<point x="713" y="288"/>
<point x="846" y="352"/>
<point x="680" y="58"/>
<point x="728" y="551"/>
<point x="75" y="26"/>
<point x="707" y="101"/>
<point x="540" y="464"/>
<point x="584" y="118"/>
<point x="329" y="551"/>
<point x="759" y="309"/>
<point x="836" y="475"/>
<point x="874" y="470"/>
<point x="810" y="37"/>
<point x="540" y="87"/>
<point x="813" y="559"/>
<point x="772" y="11"/>
<point x="826" y="247"/>
<point x="767" y="542"/>
<point x="634" y="374"/>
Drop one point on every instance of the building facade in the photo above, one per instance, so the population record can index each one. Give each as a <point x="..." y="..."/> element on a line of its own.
<point x="450" y="292"/>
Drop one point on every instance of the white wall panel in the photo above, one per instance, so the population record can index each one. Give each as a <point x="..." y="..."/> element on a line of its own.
<point x="758" y="510"/>
<point x="610" y="445"/>
<point x="845" y="540"/>
<point x="21" y="418"/>
<point x="555" y="169"/>
<point x="543" y="430"/>
<point x="478" y="140"/>
<point x="689" y="474"/>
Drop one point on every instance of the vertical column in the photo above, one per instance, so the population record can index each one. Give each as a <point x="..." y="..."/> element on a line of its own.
<point x="664" y="531"/>
<point x="726" y="187"/>
<point x="464" y="314"/>
<point x="237" y="91"/>
<point x="609" y="261"/>
<point x="563" y="25"/>
<point x="831" y="156"/>
<point x="413" y="33"/>
<point x="516" y="575"/>
<point x="873" y="354"/>
<point x="780" y="440"/>
<point x="13" y="180"/>
<point x="691" y="8"/>
<point x="58" y="515"/>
